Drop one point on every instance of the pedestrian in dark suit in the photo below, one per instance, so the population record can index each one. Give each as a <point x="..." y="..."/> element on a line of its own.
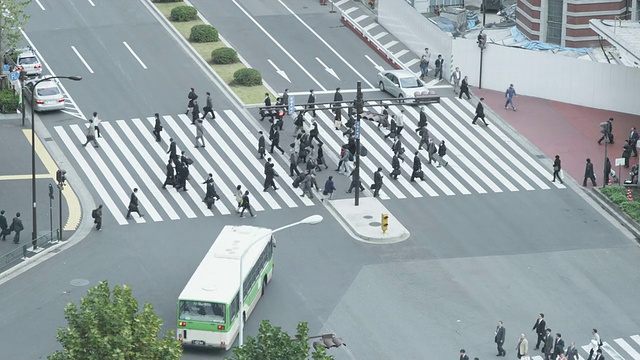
<point x="463" y="355"/>
<point x="16" y="225"/>
<point x="173" y="151"/>
<point x="269" y="174"/>
<point x="633" y="141"/>
<point x="4" y="227"/>
<point x="98" y="218"/>
<point x="572" y="352"/>
<point x="246" y="205"/>
<point x="558" y="346"/>
<point x="134" y="205"/>
<point x="499" y="338"/>
<point x="208" y="109"/>
<point x="266" y="112"/>
<point x="589" y="174"/>
<point x="540" y="328"/>
<point x="157" y="128"/>
<point x="170" y="180"/>
<point x="195" y="112"/>
<point x="599" y="355"/>
<point x="192" y="97"/>
<point x="182" y="171"/>
<point x="210" y="196"/>
<point x="547" y="349"/>
<point x="607" y="172"/>
<point x="608" y="130"/>
<point x="261" y="145"/>
<point x="464" y="88"/>
<point x="275" y="142"/>
<point x="395" y="167"/>
<point x="480" y="113"/>
<point x="626" y="153"/>
<point x="337" y="97"/>
<point x="557" y="166"/>
<point x="311" y="100"/>
<point x="417" y="168"/>
<point x="377" y="182"/>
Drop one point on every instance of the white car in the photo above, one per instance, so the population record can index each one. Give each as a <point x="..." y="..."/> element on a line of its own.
<point x="46" y="96"/>
<point x="24" y="59"/>
<point x="405" y="84"/>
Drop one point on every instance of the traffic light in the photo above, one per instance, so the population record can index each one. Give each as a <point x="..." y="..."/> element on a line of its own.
<point x="23" y="75"/>
<point x="50" y="191"/>
<point x="61" y="177"/>
<point x="329" y="341"/>
<point x="384" y="223"/>
<point x="482" y="41"/>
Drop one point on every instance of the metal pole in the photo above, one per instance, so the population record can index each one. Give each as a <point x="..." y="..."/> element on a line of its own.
<point x="22" y="97"/>
<point x="484" y="12"/>
<point x="51" y="211"/>
<point x="60" y="211"/>
<point x="480" y="80"/>
<point x="241" y="303"/>
<point x="34" y="232"/>
<point x="356" y="171"/>
<point x="606" y="143"/>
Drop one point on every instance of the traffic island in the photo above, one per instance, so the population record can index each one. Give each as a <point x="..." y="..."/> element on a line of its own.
<point x="364" y="222"/>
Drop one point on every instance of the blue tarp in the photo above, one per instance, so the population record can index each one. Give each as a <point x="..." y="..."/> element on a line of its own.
<point x="524" y="42"/>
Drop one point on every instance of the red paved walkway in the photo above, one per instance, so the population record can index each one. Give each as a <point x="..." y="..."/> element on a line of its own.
<point x="567" y="130"/>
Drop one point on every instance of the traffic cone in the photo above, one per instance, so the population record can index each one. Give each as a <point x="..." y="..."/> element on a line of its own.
<point x="629" y="196"/>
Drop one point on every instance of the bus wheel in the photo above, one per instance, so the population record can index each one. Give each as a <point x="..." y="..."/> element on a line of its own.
<point x="264" y="285"/>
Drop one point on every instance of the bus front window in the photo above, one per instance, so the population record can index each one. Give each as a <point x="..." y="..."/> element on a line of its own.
<point x="202" y="311"/>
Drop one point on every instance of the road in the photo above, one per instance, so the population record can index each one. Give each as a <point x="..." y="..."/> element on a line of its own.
<point x="492" y="238"/>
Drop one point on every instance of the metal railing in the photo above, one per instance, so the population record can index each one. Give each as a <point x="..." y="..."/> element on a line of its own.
<point x="27" y="249"/>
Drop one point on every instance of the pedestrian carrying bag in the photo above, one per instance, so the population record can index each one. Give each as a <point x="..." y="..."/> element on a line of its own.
<point x="189" y="161"/>
<point x="94" y="213"/>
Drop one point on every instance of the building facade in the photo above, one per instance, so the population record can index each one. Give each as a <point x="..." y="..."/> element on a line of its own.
<point x="566" y="22"/>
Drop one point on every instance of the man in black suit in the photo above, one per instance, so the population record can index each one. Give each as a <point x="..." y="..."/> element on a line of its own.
<point x="633" y="141"/>
<point x="311" y="100"/>
<point x="463" y="355"/>
<point x="500" y="334"/>
<point x="558" y="346"/>
<point x="547" y="349"/>
<point x="539" y="327"/>
<point x="480" y="113"/>
<point x="266" y="112"/>
<point x="572" y="352"/>
<point x="173" y="151"/>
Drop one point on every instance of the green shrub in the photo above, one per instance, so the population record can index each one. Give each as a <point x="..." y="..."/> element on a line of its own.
<point x="166" y="1"/>
<point x="184" y="13"/>
<point x="224" y="55"/>
<point x="616" y="193"/>
<point x="247" y="77"/>
<point x="203" y="33"/>
<point x="8" y="101"/>
<point x="632" y="208"/>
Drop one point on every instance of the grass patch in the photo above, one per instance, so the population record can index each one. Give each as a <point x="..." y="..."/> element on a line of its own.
<point x="618" y="195"/>
<point x="248" y="94"/>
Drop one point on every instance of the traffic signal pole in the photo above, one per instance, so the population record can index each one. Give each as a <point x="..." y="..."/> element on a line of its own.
<point x="358" y="104"/>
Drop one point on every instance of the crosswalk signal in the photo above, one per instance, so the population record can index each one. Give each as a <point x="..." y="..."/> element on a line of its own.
<point x="329" y="341"/>
<point x="482" y="41"/>
<point x="384" y="223"/>
<point x="61" y="177"/>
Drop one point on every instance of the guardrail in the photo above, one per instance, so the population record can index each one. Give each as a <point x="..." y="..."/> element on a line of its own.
<point x="23" y="252"/>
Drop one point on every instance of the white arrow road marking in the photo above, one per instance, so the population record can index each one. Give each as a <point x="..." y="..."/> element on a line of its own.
<point x="280" y="72"/>
<point x="328" y="69"/>
<point x="378" y="67"/>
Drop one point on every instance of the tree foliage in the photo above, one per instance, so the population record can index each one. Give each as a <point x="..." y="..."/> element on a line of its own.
<point x="12" y="18"/>
<point x="108" y="325"/>
<point x="274" y="344"/>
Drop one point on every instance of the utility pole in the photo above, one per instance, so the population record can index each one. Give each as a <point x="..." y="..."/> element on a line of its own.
<point x="482" y="43"/>
<point x="358" y="104"/>
<point x="51" y="211"/>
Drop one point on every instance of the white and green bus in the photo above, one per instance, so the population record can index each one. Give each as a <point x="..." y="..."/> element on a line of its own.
<point x="208" y="306"/>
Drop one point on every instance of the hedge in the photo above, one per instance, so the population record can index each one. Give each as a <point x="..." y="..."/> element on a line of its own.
<point x="247" y="77"/>
<point x="166" y="1"/>
<point x="184" y="13"/>
<point x="203" y="33"/>
<point x="224" y="55"/>
<point x="632" y="208"/>
<point x="8" y="101"/>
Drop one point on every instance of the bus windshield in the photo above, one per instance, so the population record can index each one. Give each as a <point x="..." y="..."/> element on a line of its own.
<point x="202" y="311"/>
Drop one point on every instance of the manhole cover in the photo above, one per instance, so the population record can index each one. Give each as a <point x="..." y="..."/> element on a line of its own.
<point x="368" y="217"/>
<point x="375" y="224"/>
<point x="79" y="282"/>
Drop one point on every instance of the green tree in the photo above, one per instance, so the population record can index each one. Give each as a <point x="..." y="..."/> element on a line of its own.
<point x="108" y="325"/>
<point x="274" y="344"/>
<point x="12" y="18"/>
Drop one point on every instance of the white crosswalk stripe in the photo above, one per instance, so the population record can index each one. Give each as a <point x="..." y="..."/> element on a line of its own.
<point x="628" y="348"/>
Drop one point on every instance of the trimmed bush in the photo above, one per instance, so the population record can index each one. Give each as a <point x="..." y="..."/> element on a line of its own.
<point x="616" y="193"/>
<point x="166" y="1"/>
<point x="247" y="77"/>
<point x="224" y="55"/>
<point x="184" y="13"/>
<point x="632" y="208"/>
<point x="203" y="33"/>
<point x="8" y="101"/>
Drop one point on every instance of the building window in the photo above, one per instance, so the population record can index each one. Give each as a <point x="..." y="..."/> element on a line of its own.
<point x="554" y="22"/>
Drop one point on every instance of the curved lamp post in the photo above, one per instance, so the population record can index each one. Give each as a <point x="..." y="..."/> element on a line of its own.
<point x="34" y="233"/>
<point x="311" y="220"/>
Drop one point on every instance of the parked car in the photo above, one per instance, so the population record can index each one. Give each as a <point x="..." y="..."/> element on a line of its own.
<point x="23" y="59"/>
<point x="405" y="84"/>
<point x="46" y="97"/>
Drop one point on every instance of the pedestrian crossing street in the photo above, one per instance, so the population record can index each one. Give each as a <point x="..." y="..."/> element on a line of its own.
<point x="481" y="161"/>
<point x="619" y="349"/>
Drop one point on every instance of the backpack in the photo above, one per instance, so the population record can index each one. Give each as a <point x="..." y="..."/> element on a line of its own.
<point x="298" y="180"/>
<point x="94" y="213"/>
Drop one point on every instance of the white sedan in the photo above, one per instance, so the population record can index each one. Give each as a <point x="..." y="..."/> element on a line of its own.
<point x="404" y="84"/>
<point x="46" y="95"/>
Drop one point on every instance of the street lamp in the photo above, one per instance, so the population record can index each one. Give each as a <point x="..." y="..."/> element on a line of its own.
<point x="311" y="220"/>
<point x="34" y="232"/>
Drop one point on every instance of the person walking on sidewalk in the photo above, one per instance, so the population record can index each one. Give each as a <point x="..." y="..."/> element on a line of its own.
<point x="556" y="169"/>
<point x="606" y="129"/>
<point x="427" y="56"/>
<point x="439" y="66"/>
<point x="157" y="127"/>
<point x="3" y="226"/>
<point x="354" y="183"/>
<point x="199" y="133"/>
<point x="499" y="338"/>
<point x="633" y="141"/>
<point x="192" y="97"/>
<point x="626" y="153"/>
<point x="16" y="225"/>
<point x="479" y="113"/>
<point x="208" y="108"/>
<point x="329" y="188"/>
<point x="589" y="174"/>
<point x="96" y="123"/>
<point x="464" y="88"/>
<point x="424" y="67"/>
<point x="456" y="76"/>
<point x="195" y="112"/>
<point x="134" y="205"/>
<point x="246" y="205"/>
<point x="97" y="217"/>
<point x="91" y="135"/>
<point x="510" y="94"/>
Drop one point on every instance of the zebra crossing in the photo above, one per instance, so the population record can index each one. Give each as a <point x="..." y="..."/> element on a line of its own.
<point x="620" y="349"/>
<point x="481" y="161"/>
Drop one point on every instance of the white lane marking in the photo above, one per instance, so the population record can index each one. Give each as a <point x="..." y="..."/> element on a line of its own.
<point x="91" y="2"/>
<point x="201" y="162"/>
<point x="453" y="162"/>
<point x="379" y="35"/>
<point x="251" y="159"/>
<point x="411" y="62"/>
<point x="279" y="45"/>
<point x="400" y="53"/>
<point x="390" y="44"/>
<point x="93" y="179"/>
<point x="134" y="55"/>
<point x="360" y="18"/>
<point x="350" y="10"/>
<point x="525" y="155"/>
<point x="364" y="162"/>
<point x="39" y="4"/>
<point x="234" y="160"/>
<point x="613" y="354"/>
<point x="326" y="44"/>
<point x="626" y="347"/>
<point x="339" y="3"/>
<point x="636" y="338"/>
<point x="369" y="27"/>
<point x="253" y="140"/>
<point x="375" y="65"/>
<point x="278" y="71"/>
<point x="81" y="59"/>
<point x="432" y="83"/>
<point x="503" y="153"/>
<point x="328" y="69"/>
<point x="162" y="154"/>
<point x="160" y="172"/>
<point x="108" y="176"/>
<point x="142" y="174"/>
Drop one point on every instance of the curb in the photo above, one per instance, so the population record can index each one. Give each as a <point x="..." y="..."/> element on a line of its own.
<point x="613" y="210"/>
